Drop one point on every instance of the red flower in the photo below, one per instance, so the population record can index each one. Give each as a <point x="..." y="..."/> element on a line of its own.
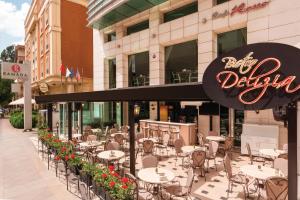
<point x="125" y="180"/>
<point x="111" y="168"/>
<point x="112" y="184"/>
<point x="104" y="176"/>
<point x="63" y="149"/>
<point x="72" y="156"/>
<point x="49" y="135"/>
<point x="66" y="158"/>
<point x="57" y="158"/>
<point x="124" y="187"/>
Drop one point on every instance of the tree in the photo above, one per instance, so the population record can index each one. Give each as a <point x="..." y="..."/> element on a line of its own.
<point x="7" y="55"/>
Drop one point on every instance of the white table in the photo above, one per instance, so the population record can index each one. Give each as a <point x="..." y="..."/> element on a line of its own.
<point x="273" y="153"/>
<point x="261" y="174"/>
<point x="111" y="155"/>
<point x="149" y="175"/>
<point x="90" y="144"/>
<point x="191" y="149"/>
<point x="141" y="140"/>
<point x="122" y="133"/>
<point x="96" y="130"/>
<point x="215" y="138"/>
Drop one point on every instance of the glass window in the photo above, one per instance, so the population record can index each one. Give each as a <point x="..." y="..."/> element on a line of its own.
<point x="112" y="73"/>
<point x="221" y="1"/>
<point x="231" y="40"/>
<point x="138" y="69"/>
<point x="181" y="62"/>
<point x="138" y="27"/>
<point x="180" y="12"/>
<point x="227" y="42"/>
<point x="110" y="37"/>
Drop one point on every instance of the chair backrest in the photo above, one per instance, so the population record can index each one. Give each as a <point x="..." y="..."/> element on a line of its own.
<point x="139" y="136"/>
<point x="149" y="161"/>
<point x="212" y="133"/>
<point x="227" y="166"/>
<point x="112" y="146"/>
<point x="198" y="158"/>
<point x="284" y="156"/>
<point x="119" y="138"/>
<point x="166" y="139"/>
<point x="178" y="143"/>
<point x="91" y="138"/>
<point x="249" y="152"/>
<point x="200" y="139"/>
<point x="106" y="130"/>
<point x="148" y="146"/>
<point x="285" y="147"/>
<point x="213" y="148"/>
<point x="190" y="179"/>
<point x="83" y="191"/>
<point x="276" y="188"/>
<point x="134" y="191"/>
<point x="228" y="144"/>
<point x="282" y="165"/>
<point x="125" y="128"/>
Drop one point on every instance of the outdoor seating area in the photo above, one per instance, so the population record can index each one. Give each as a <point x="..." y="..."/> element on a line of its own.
<point x="209" y="169"/>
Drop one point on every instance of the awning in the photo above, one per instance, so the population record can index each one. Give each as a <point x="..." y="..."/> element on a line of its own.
<point x="102" y="14"/>
<point x="170" y="92"/>
<point x="20" y="102"/>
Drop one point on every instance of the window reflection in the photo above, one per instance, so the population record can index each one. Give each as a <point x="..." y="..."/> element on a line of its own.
<point x="138" y="69"/>
<point x="181" y="62"/>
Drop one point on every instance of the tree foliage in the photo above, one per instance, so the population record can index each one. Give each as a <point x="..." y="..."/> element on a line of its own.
<point x="7" y="55"/>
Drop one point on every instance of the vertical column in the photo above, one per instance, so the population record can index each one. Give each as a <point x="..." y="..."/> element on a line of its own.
<point x="50" y="116"/>
<point x="98" y="60"/>
<point x="122" y="70"/>
<point x="27" y="101"/>
<point x="131" y="137"/>
<point x="298" y="147"/>
<point x="70" y="121"/>
<point x="292" y="149"/>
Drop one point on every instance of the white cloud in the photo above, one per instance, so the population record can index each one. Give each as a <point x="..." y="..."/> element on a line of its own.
<point x="12" y="19"/>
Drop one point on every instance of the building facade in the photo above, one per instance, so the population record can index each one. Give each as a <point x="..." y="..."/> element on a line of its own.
<point x="170" y="42"/>
<point x="19" y="53"/>
<point x="53" y="39"/>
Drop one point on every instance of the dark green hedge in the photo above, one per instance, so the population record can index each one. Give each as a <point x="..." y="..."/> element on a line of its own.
<point x="17" y="119"/>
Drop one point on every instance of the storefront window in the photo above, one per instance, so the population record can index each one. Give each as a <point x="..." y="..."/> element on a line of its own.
<point x="138" y="27"/>
<point x="112" y="73"/>
<point x="110" y="37"/>
<point x="138" y="69"/>
<point x="181" y="62"/>
<point x="181" y="12"/>
<point x="227" y="42"/>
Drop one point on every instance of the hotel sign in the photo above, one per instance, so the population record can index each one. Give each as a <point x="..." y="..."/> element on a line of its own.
<point x="237" y="9"/>
<point x="14" y="71"/>
<point x="255" y="77"/>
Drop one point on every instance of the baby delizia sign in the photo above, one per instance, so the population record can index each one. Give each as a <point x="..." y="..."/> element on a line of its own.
<point x="255" y="77"/>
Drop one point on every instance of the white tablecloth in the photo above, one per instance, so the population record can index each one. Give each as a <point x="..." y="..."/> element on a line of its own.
<point x="274" y="153"/>
<point x="111" y="155"/>
<point x="149" y="175"/>
<point x="261" y="174"/>
<point x="191" y="149"/>
<point x="152" y="139"/>
<point x="215" y="138"/>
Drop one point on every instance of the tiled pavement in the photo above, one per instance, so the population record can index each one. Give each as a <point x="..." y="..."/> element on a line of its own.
<point x="23" y="175"/>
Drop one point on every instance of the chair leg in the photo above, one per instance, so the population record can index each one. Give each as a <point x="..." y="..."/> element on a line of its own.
<point x="215" y="164"/>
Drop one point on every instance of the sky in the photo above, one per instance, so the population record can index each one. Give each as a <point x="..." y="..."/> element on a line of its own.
<point x="12" y="16"/>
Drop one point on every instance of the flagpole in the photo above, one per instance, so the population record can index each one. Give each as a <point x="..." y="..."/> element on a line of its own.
<point x="82" y="77"/>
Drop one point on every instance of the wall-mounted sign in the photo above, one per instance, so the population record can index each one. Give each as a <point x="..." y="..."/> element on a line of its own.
<point x="44" y="87"/>
<point x="254" y="77"/>
<point x="14" y="71"/>
<point x="237" y="9"/>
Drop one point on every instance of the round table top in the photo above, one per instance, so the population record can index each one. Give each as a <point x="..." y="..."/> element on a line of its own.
<point x="261" y="174"/>
<point x="77" y="135"/>
<point x="96" y="130"/>
<point x="191" y="149"/>
<point x="111" y="155"/>
<point x="141" y="140"/>
<point x="215" y="138"/>
<point x="122" y="133"/>
<point x="149" y="175"/>
<point x="271" y="152"/>
<point x="90" y="144"/>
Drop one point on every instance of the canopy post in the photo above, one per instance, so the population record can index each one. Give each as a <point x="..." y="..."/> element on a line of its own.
<point x="70" y="121"/>
<point x="131" y="136"/>
<point x="292" y="149"/>
<point x="50" y="116"/>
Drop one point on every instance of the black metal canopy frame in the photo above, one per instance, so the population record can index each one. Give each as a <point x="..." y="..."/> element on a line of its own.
<point x="174" y="92"/>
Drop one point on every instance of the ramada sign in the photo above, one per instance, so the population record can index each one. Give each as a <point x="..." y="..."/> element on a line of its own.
<point x="14" y="71"/>
<point x="256" y="76"/>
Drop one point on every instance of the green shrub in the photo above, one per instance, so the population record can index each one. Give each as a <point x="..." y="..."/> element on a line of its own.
<point x="17" y="119"/>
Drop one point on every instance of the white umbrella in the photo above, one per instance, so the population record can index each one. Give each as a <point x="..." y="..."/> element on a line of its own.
<point x="20" y="102"/>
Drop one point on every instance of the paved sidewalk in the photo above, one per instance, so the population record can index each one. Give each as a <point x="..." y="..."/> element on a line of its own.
<point x="23" y="175"/>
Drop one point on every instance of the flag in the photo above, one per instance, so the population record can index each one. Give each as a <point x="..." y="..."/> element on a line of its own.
<point x="68" y="73"/>
<point x="72" y="73"/>
<point x="62" y="72"/>
<point x="77" y="75"/>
